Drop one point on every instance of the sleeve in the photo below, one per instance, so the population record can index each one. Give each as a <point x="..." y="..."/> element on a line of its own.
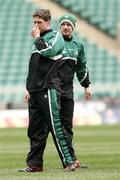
<point x="85" y="83"/>
<point x="81" y="68"/>
<point x="51" y="47"/>
<point x="40" y="43"/>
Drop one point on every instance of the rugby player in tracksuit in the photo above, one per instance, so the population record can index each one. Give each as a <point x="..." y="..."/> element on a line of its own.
<point x="73" y="61"/>
<point x="42" y="94"/>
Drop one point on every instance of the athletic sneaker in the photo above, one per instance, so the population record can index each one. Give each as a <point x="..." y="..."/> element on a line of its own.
<point x="70" y="167"/>
<point x="79" y="165"/>
<point x="31" y="169"/>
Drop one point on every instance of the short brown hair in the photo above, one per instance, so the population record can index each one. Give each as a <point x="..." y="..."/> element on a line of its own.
<point x="43" y="13"/>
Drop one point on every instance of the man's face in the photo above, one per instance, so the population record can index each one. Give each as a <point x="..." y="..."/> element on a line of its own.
<point x="66" y="29"/>
<point x="42" y="25"/>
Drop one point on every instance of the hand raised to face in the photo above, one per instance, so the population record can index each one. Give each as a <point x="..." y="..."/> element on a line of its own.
<point x="35" y="31"/>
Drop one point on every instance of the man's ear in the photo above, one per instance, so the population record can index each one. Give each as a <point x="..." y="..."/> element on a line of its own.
<point x="48" y="22"/>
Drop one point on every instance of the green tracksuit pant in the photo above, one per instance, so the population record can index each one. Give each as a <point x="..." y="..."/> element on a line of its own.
<point x="44" y="117"/>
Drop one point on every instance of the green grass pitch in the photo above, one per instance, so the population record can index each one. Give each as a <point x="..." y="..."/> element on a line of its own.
<point x="97" y="146"/>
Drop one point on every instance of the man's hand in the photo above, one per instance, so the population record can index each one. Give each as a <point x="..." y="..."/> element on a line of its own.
<point x="27" y="96"/>
<point x="88" y="94"/>
<point x="35" y="32"/>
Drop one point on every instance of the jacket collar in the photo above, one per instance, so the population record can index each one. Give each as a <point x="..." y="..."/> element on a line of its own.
<point x="45" y="32"/>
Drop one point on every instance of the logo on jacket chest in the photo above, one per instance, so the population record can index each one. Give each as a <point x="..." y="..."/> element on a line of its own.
<point x="70" y="52"/>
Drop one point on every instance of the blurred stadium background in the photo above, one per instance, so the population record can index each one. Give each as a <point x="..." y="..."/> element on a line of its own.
<point x="98" y="26"/>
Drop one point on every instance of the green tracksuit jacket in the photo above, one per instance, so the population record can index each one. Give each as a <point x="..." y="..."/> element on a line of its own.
<point x="73" y="61"/>
<point x="43" y="64"/>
